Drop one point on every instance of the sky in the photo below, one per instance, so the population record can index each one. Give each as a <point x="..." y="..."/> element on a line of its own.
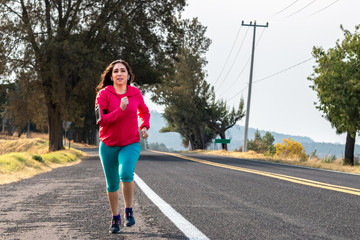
<point x="281" y="98"/>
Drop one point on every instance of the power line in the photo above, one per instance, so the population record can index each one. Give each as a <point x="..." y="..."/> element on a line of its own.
<point x="325" y="7"/>
<point x="301" y="8"/>
<point x="272" y="75"/>
<point x="285" y="8"/>
<point x="237" y="54"/>
<point x="242" y="90"/>
<point x="229" y="54"/>
<point x="249" y="57"/>
<point x="242" y="70"/>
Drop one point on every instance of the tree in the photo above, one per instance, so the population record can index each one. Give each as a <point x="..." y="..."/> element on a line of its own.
<point x="267" y="143"/>
<point x="263" y="144"/>
<point x="255" y="144"/>
<point x="185" y="110"/>
<point x="336" y="79"/>
<point x="26" y="104"/>
<point x="185" y="93"/>
<point x="221" y="118"/>
<point x="6" y="120"/>
<point x="68" y="43"/>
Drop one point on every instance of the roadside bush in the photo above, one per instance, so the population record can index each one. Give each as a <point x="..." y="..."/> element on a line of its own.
<point x="263" y="144"/>
<point x="37" y="158"/>
<point x="329" y="159"/>
<point x="357" y="160"/>
<point x="314" y="154"/>
<point x="290" y="149"/>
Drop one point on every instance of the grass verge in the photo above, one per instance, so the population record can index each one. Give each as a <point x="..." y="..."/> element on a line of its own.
<point x="335" y="165"/>
<point x="24" y="158"/>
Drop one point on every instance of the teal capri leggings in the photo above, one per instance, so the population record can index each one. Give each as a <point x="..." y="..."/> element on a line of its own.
<point x="118" y="164"/>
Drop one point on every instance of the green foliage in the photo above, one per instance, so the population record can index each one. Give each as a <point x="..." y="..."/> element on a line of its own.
<point x="190" y="105"/>
<point x="290" y="149"/>
<point x="221" y="118"/>
<point x="37" y="158"/>
<point x="65" y="45"/>
<point x="336" y="79"/>
<point x="263" y="144"/>
<point x="26" y="103"/>
<point x="186" y="94"/>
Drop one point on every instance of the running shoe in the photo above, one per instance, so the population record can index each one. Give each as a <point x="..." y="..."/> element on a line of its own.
<point x="115" y="225"/>
<point x="129" y="218"/>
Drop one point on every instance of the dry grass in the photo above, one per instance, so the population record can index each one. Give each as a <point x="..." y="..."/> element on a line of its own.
<point x="39" y="137"/>
<point x="336" y="165"/>
<point x="18" y="166"/>
<point x="42" y="136"/>
<point x="35" y="145"/>
<point x="24" y="158"/>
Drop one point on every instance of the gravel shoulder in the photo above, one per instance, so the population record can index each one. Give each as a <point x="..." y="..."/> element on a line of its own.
<point x="67" y="203"/>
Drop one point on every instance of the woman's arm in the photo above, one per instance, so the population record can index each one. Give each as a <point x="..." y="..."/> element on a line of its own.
<point x="143" y="113"/>
<point x="106" y="118"/>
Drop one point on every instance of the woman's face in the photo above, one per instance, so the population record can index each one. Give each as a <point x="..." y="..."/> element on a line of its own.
<point x="119" y="74"/>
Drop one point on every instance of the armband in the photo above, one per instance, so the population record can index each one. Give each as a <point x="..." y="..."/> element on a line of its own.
<point x="97" y="114"/>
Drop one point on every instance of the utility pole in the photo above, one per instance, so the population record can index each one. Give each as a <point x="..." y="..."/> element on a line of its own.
<point x="250" y="82"/>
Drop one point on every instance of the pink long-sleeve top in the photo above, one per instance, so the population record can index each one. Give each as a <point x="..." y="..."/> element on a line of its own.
<point x="118" y="127"/>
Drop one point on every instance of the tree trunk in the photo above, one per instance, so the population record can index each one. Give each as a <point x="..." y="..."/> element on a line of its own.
<point x="202" y="137"/>
<point x="28" y="130"/>
<point x="223" y="145"/>
<point x="349" y="149"/>
<point x="4" y="122"/>
<point x="55" y="127"/>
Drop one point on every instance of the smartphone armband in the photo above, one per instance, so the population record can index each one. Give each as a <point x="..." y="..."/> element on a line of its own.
<point x="97" y="114"/>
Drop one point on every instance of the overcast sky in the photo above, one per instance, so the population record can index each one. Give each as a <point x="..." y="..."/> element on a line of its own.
<point x="283" y="103"/>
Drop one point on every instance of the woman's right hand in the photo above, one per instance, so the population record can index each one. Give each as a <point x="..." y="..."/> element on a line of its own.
<point x="124" y="103"/>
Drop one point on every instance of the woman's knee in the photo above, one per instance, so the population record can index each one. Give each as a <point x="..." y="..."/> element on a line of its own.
<point x="127" y="176"/>
<point x="112" y="187"/>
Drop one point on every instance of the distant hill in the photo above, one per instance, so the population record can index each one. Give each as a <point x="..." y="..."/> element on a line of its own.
<point x="236" y="134"/>
<point x="171" y="140"/>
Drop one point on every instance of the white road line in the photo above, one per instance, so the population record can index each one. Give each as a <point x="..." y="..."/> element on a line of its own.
<point x="180" y="222"/>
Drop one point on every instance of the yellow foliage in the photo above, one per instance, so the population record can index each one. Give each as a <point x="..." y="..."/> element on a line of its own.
<point x="291" y="149"/>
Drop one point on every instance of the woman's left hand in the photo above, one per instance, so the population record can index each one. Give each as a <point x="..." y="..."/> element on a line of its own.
<point x="144" y="132"/>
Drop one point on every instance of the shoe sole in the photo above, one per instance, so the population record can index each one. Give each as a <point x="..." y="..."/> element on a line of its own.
<point x="129" y="225"/>
<point x="114" y="232"/>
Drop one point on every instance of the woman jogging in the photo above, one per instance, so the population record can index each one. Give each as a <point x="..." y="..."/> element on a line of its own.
<point x="118" y="106"/>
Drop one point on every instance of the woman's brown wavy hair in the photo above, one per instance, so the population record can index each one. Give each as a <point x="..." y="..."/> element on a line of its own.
<point x="106" y="75"/>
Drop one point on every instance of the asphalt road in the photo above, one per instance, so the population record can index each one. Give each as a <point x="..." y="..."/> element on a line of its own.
<point x="230" y="204"/>
<point x="70" y="202"/>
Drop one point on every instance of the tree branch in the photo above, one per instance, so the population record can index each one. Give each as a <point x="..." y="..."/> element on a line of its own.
<point x="11" y="10"/>
<point x="103" y="17"/>
<point x="25" y="18"/>
<point x="75" y="13"/>
<point x="48" y="17"/>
